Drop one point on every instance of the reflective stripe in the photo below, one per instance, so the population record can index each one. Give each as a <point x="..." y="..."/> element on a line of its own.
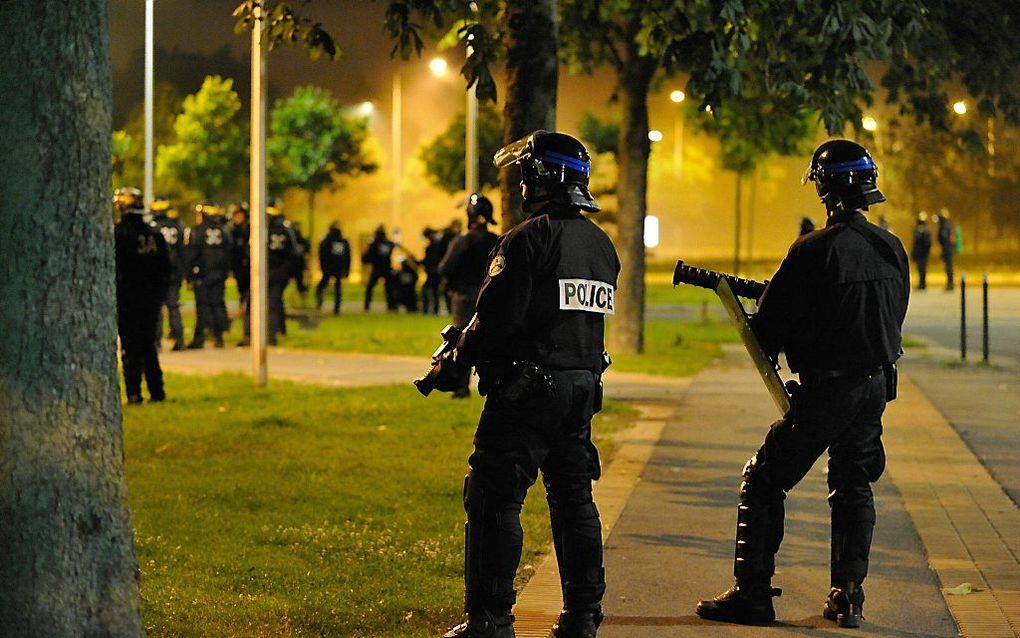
<point x="587" y="295"/>
<point x="566" y="160"/>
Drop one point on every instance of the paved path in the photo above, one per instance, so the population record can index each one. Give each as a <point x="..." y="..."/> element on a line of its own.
<point x="935" y="315"/>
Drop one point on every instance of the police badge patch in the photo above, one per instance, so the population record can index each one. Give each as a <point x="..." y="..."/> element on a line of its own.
<point x="497" y="265"/>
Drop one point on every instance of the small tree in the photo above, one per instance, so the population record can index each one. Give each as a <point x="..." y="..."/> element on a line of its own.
<point x="313" y="145"/>
<point x="444" y="156"/>
<point x="120" y="147"/>
<point x="167" y="103"/>
<point x="210" y="152"/>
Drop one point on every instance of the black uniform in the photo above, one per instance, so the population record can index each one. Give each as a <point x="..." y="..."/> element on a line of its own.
<point x="143" y="271"/>
<point x="240" y="265"/>
<point x="836" y="307"/>
<point x="947" y="242"/>
<point x="405" y="285"/>
<point x="173" y="234"/>
<point x="378" y="257"/>
<point x="920" y="251"/>
<point x="335" y="262"/>
<point x="283" y="255"/>
<point x="301" y="263"/>
<point x="551" y="281"/>
<point x="210" y="250"/>
<point x="431" y="290"/>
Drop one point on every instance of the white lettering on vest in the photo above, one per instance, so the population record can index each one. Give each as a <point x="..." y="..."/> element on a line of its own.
<point x="587" y="295"/>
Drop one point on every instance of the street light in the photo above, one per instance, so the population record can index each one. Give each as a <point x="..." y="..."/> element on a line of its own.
<point x="438" y="67"/>
<point x="960" y="107"/>
<point x="365" y="110"/>
<point x="678" y="97"/>
<point x="147" y="186"/>
<point x="869" y="123"/>
<point x="655" y="135"/>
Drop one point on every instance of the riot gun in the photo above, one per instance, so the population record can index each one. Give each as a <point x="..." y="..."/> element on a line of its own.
<point x="426" y="383"/>
<point x="728" y="288"/>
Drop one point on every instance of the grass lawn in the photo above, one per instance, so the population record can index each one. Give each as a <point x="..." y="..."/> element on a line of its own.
<point x="305" y="511"/>
<point x="677" y="348"/>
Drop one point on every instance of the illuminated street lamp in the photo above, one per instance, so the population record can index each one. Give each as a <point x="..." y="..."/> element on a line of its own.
<point x="365" y="110"/>
<point x="147" y="186"/>
<point x="869" y="123"/>
<point x="438" y="67"/>
<point x="960" y="107"/>
<point x="655" y="135"/>
<point x="677" y="97"/>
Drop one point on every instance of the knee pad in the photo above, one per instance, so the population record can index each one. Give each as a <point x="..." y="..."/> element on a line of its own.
<point x="571" y="502"/>
<point x="757" y="486"/>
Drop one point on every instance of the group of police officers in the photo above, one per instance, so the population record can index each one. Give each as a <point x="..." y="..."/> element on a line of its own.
<point x="835" y="309"/>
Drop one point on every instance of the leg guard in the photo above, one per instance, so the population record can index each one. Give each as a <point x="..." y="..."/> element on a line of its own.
<point x="493" y="539"/>
<point x="760" y="521"/>
<point x="853" y="523"/>
<point x="577" y="537"/>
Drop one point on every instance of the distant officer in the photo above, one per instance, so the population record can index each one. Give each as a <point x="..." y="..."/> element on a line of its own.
<point x="405" y="284"/>
<point x="335" y="263"/>
<point x="283" y="255"/>
<point x="807" y="225"/>
<point x="143" y="272"/>
<point x="210" y="248"/>
<point x="947" y="242"/>
<point x="240" y="263"/>
<point x="538" y="344"/>
<point x="301" y="264"/>
<point x="464" y="266"/>
<point x="378" y="257"/>
<point x="921" y="249"/>
<point x="835" y="307"/>
<point x="451" y="232"/>
<point x="431" y="290"/>
<point x="165" y="218"/>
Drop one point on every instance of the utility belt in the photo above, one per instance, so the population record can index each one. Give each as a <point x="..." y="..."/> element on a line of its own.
<point x="810" y="378"/>
<point x="514" y="380"/>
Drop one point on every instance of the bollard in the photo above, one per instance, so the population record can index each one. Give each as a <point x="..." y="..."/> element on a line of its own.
<point x="963" y="316"/>
<point x="984" y="318"/>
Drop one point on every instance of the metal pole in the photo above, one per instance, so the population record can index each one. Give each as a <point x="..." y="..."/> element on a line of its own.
<point x="396" y="150"/>
<point x="984" y="318"/>
<point x="149" y="62"/>
<point x="963" y="316"/>
<point x="257" y="197"/>
<point x="471" y="139"/>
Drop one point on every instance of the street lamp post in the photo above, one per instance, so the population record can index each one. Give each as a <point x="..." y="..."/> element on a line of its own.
<point x="678" y="134"/>
<point x="149" y="63"/>
<point x="257" y="197"/>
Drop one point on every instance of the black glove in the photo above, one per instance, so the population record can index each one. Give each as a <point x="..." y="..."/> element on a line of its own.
<point x="449" y="371"/>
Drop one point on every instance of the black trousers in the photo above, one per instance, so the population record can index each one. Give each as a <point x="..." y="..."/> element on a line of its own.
<point x="244" y="298"/>
<point x="514" y="440"/>
<point x="374" y="278"/>
<point x="136" y="323"/>
<point x="843" y="415"/>
<point x="947" y="259"/>
<point x="210" y="309"/>
<point x="337" y="291"/>
<point x="173" y="311"/>
<point x="922" y="272"/>
<point x="430" y="293"/>
<point x="275" y="308"/>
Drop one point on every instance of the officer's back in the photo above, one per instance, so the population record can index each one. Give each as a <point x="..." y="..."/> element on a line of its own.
<point x="172" y="231"/>
<point x="143" y="263"/>
<point x="211" y="244"/>
<point x="283" y="249"/>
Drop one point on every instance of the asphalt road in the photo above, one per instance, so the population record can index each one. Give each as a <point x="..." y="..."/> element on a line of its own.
<point x="935" y="315"/>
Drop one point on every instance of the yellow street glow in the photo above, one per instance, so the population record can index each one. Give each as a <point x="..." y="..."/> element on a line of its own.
<point x="438" y="67"/>
<point x="677" y="96"/>
<point x="960" y="108"/>
<point x="655" y="135"/>
<point x="869" y="123"/>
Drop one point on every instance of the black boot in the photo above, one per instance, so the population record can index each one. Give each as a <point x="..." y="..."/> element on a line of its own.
<point x="584" y="624"/>
<point x="845" y="605"/>
<point x="747" y="605"/>
<point x="484" y="624"/>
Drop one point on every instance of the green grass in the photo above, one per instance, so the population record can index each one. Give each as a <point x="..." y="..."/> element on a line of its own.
<point x="677" y="348"/>
<point x="305" y="511"/>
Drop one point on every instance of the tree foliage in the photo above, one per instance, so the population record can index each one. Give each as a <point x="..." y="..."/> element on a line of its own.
<point x="129" y="151"/>
<point x="601" y="135"/>
<point x="313" y="143"/>
<point x="444" y="156"/>
<point x="286" y="24"/>
<point x="209" y="152"/>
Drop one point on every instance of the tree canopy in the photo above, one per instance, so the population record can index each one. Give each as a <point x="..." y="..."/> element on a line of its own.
<point x="444" y="156"/>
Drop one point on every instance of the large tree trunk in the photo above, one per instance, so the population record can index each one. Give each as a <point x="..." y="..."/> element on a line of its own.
<point x="626" y="333"/>
<point x="67" y="558"/>
<point x="532" y="70"/>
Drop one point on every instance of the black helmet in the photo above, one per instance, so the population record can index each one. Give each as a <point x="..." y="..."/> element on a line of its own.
<point x="479" y="206"/>
<point x="844" y="175"/>
<point x="209" y="209"/>
<point x="128" y="199"/>
<point x="555" y="168"/>
<point x="161" y="207"/>
<point x="274" y="207"/>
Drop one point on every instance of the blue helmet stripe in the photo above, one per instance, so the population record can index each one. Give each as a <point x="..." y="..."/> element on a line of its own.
<point x="566" y="160"/>
<point x="863" y="164"/>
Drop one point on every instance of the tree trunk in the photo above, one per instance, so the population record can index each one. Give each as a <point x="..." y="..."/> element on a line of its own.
<point x="67" y="557"/>
<point x="736" y="233"/>
<point x="626" y="334"/>
<point x="532" y="70"/>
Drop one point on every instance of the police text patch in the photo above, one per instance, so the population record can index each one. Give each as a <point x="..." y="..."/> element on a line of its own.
<point x="587" y="295"/>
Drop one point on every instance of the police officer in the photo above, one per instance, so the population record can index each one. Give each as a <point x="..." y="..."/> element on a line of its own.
<point x="301" y="264"/>
<point x="335" y="263"/>
<point x="537" y="341"/>
<point x="450" y="233"/>
<point x="143" y="272"/>
<point x="164" y="216"/>
<point x="283" y="255"/>
<point x="947" y="243"/>
<point x="464" y="266"/>
<point x="807" y="225"/>
<point x="240" y="263"/>
<point x="920" y="250"/>
<point x="432" y="288"/>
<point x="835" y="307"/>
<point x="210" y="250"/>
<point x="378" y="257"/>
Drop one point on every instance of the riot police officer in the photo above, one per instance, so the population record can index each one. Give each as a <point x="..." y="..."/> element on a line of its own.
<point x="537" y="341"/>
<point x="434" y="253"/>
<point x="464" y="266"/>
<point x="920" y="249"/>
<point x="164" y="216"/>
<point x="143" y="272"/>
<point x="210" y="248"/>
<point x="240" y="264"/>
<point x="378" y="257"/>
<point x="283" y="255"/>
<point x="335" y="263"/>
<point x="835" y="307"/>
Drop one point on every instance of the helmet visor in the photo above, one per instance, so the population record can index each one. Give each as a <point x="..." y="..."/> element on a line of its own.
<point x="513" y="152"/>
